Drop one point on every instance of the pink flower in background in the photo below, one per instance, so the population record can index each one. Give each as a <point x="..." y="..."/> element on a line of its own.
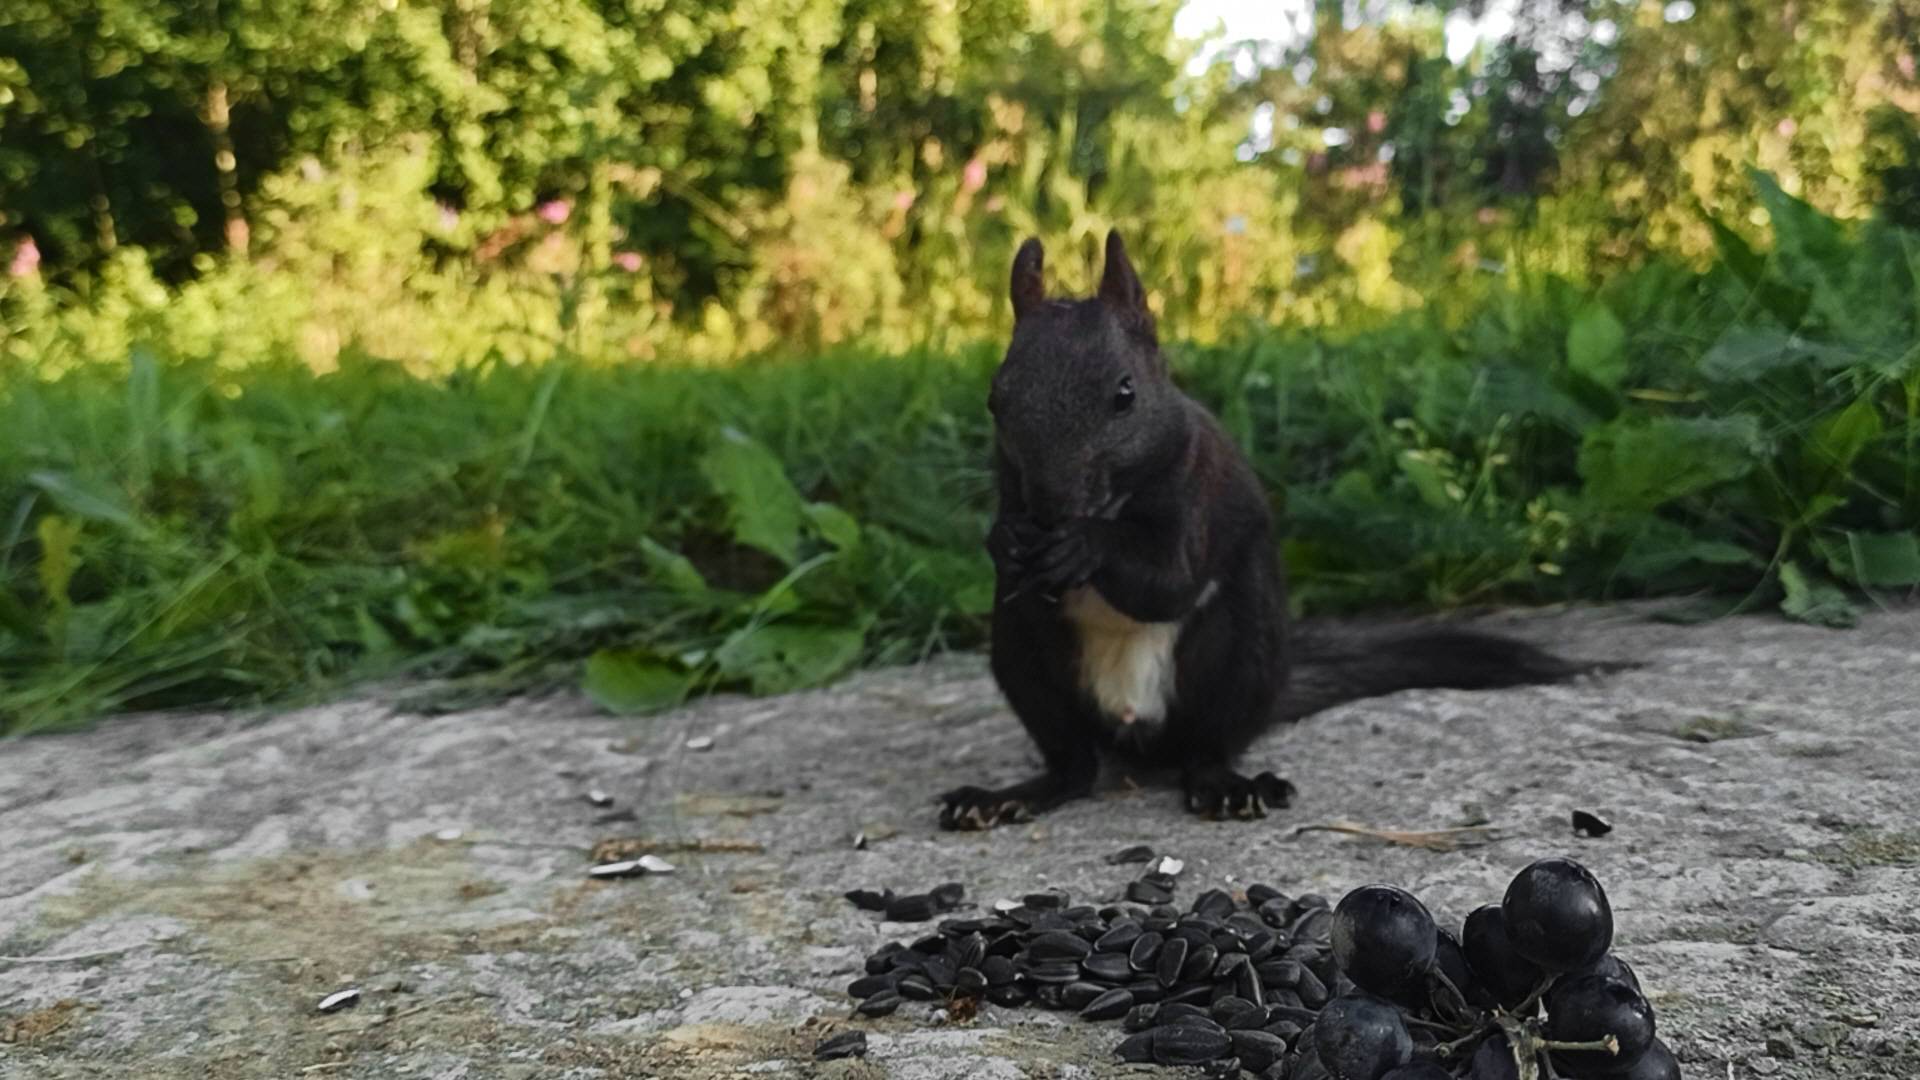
<point x="449" y="217"/>
<point x="995" y="204"/>
<point x="974" y="176"/>
<point x="627" y="260"/>
<point x="1905" y="63"/>
<point x="554" y="211"/>
<point x="1786" y="128"/>
<point x="1376" y="121"/>
<point x="903" y="201"/>
<point x="26" y="259"/>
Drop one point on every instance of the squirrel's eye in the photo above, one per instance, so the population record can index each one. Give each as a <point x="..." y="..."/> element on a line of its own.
<point x="1123" y="397"/>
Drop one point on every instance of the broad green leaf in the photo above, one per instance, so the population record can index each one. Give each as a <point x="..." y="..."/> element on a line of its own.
<point x="673" y="569"/>
<point x="1597" y="345"/>
<point x="1876" y="560"/>
<point x="1659" y="552"/>
<point x="836" y="525"/>
<point x="763" y="509"/>
<point x="1634" y="464"/>
<point x="626" y="681"/>
<point x="1811" y="600"/>
<point x="1744" y="354"/>
<point x="776" y="657"/>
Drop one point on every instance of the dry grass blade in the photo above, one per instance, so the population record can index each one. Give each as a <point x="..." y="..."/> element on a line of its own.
<point x="1429" y="839"/>
<point x="626" y="847"/>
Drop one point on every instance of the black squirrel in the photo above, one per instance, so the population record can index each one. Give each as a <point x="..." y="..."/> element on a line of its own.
<point x="1139" y="603"/>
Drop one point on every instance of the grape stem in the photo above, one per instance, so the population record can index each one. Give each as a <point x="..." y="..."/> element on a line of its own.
<point x="1610" y="1044"/>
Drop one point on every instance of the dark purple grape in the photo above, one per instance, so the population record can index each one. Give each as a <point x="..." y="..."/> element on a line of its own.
<point x="1450" y="959"/>
<point x="1558" y="915"/>
<point x="1614" y="968"/>
<point x="1656" y="1064"/>
<point x="1383" y="938"/>
<point x="1492" y="1060"/>
<point x="1360" y="1037"/>
<point x="1419" y="1070"/>
<point x="1499" y="967"/>
<point x="1584" y="1008"/>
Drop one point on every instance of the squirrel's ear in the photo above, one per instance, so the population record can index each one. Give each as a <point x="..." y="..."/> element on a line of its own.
<point x="1028" y="289"/>
<point x="1120" y="287"/>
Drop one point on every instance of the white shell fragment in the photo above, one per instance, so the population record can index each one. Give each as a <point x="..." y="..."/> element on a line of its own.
<point x="447" y="835"/>
<point x="1169" y="866"/>
<point x="700" y="742"/>
<point x="343" y="999"/>
<point x="625" y="868"/>
<point x="1004" y="906"/>
<point x="599" y="798"/>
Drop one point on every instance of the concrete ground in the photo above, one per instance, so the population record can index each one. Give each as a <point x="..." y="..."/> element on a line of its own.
<point x="178" y="892"/>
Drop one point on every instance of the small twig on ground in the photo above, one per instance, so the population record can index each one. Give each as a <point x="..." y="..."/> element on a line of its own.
<point x="626" y="847"/>
<point x="1429" y="839"/>
<point x="326" y="1066"/>
<point x="70" y="957"/>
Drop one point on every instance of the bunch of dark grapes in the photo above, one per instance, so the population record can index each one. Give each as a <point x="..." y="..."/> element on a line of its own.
<point x="1528" y="991"/>
<point x="1292" y="988"/>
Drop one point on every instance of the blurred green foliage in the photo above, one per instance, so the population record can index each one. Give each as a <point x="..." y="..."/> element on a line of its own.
<point x="315" y="316"/>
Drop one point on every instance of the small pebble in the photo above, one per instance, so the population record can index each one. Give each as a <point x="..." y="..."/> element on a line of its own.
<point x="654" y="864"/>
<point x="700" y="742"/>
<point x="447" y="835"/>
<point x="599" y="798"/>
<point x="1169" y="866"/>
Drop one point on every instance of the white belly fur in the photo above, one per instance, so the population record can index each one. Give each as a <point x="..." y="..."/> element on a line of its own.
<point x="1126" y="666"/>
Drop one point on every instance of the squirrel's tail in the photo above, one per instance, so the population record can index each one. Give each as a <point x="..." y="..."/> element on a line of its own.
<point x="1327" y="671"/>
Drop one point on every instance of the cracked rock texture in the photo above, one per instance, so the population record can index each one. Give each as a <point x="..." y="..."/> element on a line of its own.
<point x="178" y="892"/>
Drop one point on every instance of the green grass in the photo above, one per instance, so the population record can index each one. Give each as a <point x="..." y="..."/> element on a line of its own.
<point x="200" y="531"/>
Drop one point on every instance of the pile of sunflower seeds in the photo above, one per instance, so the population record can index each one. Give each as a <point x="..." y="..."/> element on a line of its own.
<point x="1230" y="983"/>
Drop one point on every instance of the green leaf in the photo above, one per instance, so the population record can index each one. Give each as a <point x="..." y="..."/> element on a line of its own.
<point x="1837" y="440"/>
<point x="1597" y="345"/>
<point x="777" y="657"/>
<point x="82" y="498"/>
<point x="838" y="527"/>
<point x="628" y="681"/>
<point x="673" y="569"/>
<point x="1634" y="464"/>
<point x="1811" y="600"/>
<point x="1427" y="478"/>
<point x="1876" y="560"/>
<point x="1744" y="354"/>
<point x="59" y="558"/>
<point x="763" y="509"/>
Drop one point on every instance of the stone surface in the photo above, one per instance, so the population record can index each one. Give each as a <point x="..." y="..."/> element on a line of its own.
<point x="177" y="893"/>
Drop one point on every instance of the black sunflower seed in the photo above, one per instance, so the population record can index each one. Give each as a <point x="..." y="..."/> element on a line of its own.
<point x="1199" y="963"/>
<point x="1059" y="945"/>
<point x="1180" y="1012"/>
<point x="1051" y="900"/>
<point x="1173" y="957"/>
<point x="914" y="907"/>
<point x="1194" y="994"/>
<point x="968" y="951"/>
<point x="1274" y="912"/>
<point x="941" y="971"/>
<point x="1146" y="991"/>
<point x="1224" y="1009"/>
<point x="1144" y="892"/>
<point x="1108" y="967"/>
<point x="1214" y="904"/>
<point x="1313" y="992"/>
<point x="882" y="960"/>
<point x="998" y="970"/>
<point x="948" y="896"/>
<point x="868" y="985"/>
<point x="1159" y="880"/>
<point x="1258" y="894"/>
<point x="1257" y="1050"/>
<point x="1119" y="937"/>
<point x="1145" y="950"/>
<point x="1281" y="974"/>
<point x="869" y="900"/>
<point x="916" y="988"/>
<point x="1285" y="1030"/>
<point x="1188" y="1045"/>
<point x="970" y="980"/>
<point x="1135" y="854"/>
<point x="1229" y="965"/>
<point x="881" y="1004"/>
<point x="844" y="1045"/>
<point x="1589" y="824"/>
<point x="1137" y="1049"/>
<point x="1253" y="1017"/>
<point x="1077" y="995"/>
<point x="1110" y="1005"/>
<point x="1053" y="971"/>
<point x="1140" y="1017"/>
